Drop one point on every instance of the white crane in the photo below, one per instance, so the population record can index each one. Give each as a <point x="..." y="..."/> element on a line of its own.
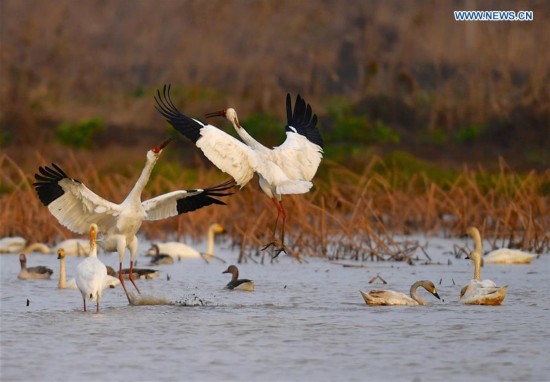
<point x="76" y="207"/>
<point x="286" y="169"/>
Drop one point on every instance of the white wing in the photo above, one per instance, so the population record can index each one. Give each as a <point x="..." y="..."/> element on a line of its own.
<point x="72" y="203"/>
<point x="182" y="201"/>
<point x="298" y="157"/>
<point x="228" y="154"/>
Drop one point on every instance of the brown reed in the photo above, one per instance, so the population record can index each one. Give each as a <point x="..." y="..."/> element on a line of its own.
<point x="346" y="216"/>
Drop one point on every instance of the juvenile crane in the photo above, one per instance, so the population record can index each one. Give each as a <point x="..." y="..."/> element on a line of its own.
<point x="286" y="169"/>
<point x="76" y="207"/>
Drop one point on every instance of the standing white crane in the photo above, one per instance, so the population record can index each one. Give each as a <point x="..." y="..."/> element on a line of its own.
<point x="76" y="207"/>
<point x="286" y="169"/>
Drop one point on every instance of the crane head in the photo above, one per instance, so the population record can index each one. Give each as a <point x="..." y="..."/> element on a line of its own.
<point x="157" y="149"/>
<point x="229" y="113"/>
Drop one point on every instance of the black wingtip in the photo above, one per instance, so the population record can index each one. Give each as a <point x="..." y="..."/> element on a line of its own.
<point x="47" y="183"/>
<point x="302" y="120"/>
<point x="182" y="123"/>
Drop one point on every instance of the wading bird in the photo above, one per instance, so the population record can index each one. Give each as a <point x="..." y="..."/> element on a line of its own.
<point x="389" y="297"/>
<point x="286" y="169"/>
<point x="480" y="292"/>
<point x="91" y="274"/>
<point x="76" y="207"/>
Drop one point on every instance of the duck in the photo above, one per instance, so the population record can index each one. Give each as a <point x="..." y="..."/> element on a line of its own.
<point x="477" y="291"/>
<point x="140" y="273"/>
<point x="182" y="251"/>
<point x="236" y="283"/>
<point x="508" y="256"/>
<point x="14" y="244"/>
<point x="63" y="283"/>
<point x="160" y="258"/>
<point x="91" y="274"/>
<point x="390" y="297"/>
<point x="38" y="272"/>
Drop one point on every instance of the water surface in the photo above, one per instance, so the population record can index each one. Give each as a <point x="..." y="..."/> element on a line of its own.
<point x="303" y="322"/>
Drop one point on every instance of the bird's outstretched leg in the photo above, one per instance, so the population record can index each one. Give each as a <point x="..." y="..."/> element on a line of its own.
<point x="132" y="245"/>
<point x="279" y="245"/>
<point x="121" y="248"/>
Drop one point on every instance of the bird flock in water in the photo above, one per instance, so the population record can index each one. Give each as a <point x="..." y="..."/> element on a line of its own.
<point x="286" y="169"/>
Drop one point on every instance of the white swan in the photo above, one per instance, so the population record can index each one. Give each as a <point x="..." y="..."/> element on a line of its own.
<point x="12" y="244"/>
<point x="390" y="297"/>
<point x="91" y="273"/>
<point x="480" y="292"/>
<point x="178" y="250"/>
<point x="77" y="247"/>
<point x="36" y="247"/>
<point x="63" y="283"/>
<point x="38" y="272"/>
<point x="508" y="256"/>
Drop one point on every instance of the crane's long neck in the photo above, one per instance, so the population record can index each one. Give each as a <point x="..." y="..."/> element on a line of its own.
<point x="135" y="195"/>
<point x="62" y="274"/>
<point x="210" y="248"/>
<point x="247" y="138"/>
<point x="414" y="295"/>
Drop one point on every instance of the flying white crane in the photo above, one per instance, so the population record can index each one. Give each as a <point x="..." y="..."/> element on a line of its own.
<point x="286" y="169"/>
<point x="76" y="207"/>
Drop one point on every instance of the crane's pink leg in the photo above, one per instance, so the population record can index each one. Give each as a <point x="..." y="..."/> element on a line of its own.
<point x="278" y="213"/>
<point x="84" y="300"/>
<point x="131" y="277"/>
<point x="122" y="282"/>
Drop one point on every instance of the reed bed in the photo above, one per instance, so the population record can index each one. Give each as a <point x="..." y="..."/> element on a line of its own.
<point x="347" y="215"/>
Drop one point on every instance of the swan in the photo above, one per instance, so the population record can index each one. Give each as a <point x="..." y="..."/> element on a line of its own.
<point x="63" y="283"/>
<point x="13" y="244"/>
<point x="480" y="292"/>
<point x="91" y="273"/>
<point x="79" y="247"/>
<point x="182" y="251"/>
<point x="508" y="256"/>
<point x="236" y="283"/>
<point x="36" y="247"/>
<point x="38" y="272"/>
<point x="390" y="297"/>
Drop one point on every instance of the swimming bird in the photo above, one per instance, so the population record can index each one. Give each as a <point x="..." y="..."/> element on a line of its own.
<point x="477" y="291"/>
<point x="38" y="272"/>
<point x="91" y="273"/>
<point x="76" y="207"/>
<point x="286" y="169"/>
<point x="13" y="244"/>
<point x="140" y="273"/>
<point x="508" y="256"/>
<point x="389" y="297"/>
<point x="161" y="258"/>
<point x="36" y="247"/>
<point x="236" y="283"/>
<point x="178" y="250"/>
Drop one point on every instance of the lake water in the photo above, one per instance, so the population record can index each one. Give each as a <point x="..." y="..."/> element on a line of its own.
<point x="303" y="322"/>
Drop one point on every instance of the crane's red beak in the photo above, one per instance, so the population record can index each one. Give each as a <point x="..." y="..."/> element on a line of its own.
<point x="220" y="113"/>
<point x="158" y="149"/>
